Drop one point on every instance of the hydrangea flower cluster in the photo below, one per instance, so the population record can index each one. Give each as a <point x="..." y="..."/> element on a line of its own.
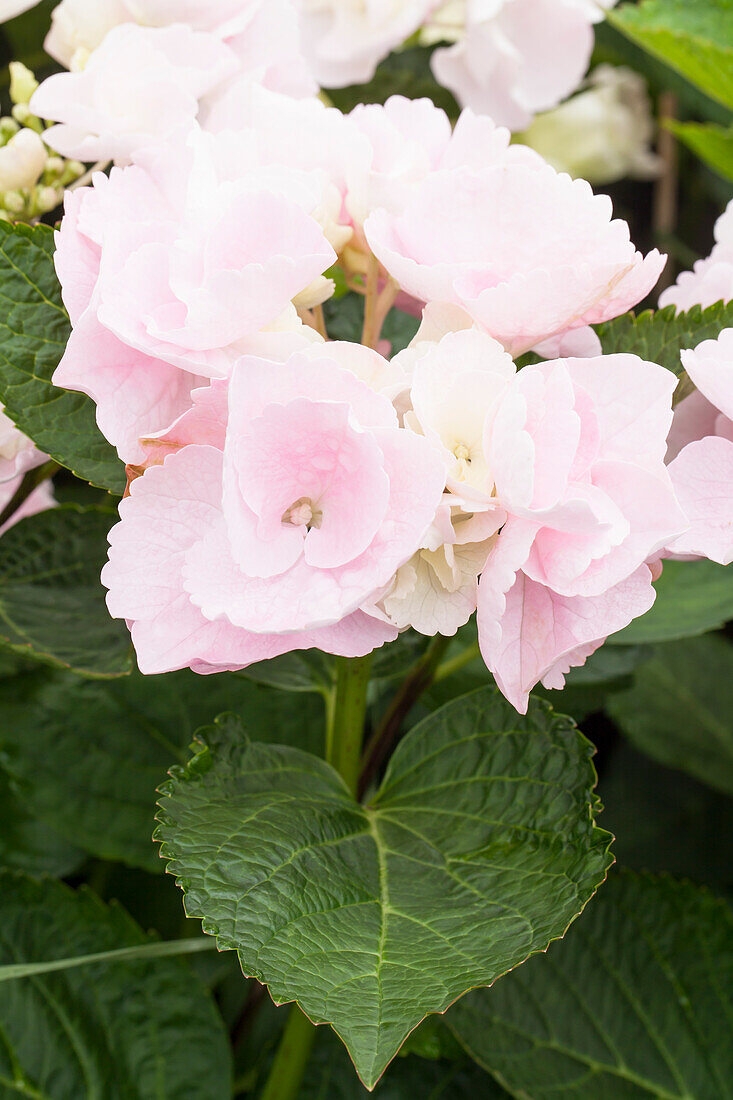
<point x="701" y="441"/>
<point x="288" y="491"/>
<point x="143" y="69"/>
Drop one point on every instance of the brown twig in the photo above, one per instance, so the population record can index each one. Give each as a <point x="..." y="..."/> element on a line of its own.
<point x="667" y="186"/>
<point x="418" y="681"/>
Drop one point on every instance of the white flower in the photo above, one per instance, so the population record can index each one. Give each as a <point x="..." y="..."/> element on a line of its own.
<point x="10" y="8"/>
<point x="435" y="592"/>
<point x="22" y="161"/>
<point x="603" y="133"/>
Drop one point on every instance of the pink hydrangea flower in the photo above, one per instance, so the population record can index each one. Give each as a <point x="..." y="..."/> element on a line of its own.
<point x="700" y="449"/>
<point x="281" y="530"/>
<point x="529" y="254"/>
<point x="577" y="449"/>
<point x="140" y="86"/>
<point x="345" y="40"/>
<point x="262" y="34"/>
<point x="513" y="58"/>
<point x="171" y="274"/>
<point x="565" y="460"/>
<point x="134" y="85"/>
<point x="711" y="279"/>
<point x="408" y="140"/>
<point x="702" y="470"/>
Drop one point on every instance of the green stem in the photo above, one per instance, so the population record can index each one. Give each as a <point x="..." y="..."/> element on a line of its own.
<point x="455" y="664"/>
<point x="345" y="714"/>
<point x="291" y="1059"/>
<point x="156" y="950"/>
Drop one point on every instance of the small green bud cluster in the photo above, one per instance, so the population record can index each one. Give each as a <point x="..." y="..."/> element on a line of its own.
<point x="32" y="177"/>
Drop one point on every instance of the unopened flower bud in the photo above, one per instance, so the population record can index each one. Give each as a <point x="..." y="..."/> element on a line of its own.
<point x="22" y="161"/>
<point x="13" y="202"/>
<point x="22" y="83"/>
<point x="8" y="129"/>
<point x="47" y="199"/>
<point x="55" y="166"/>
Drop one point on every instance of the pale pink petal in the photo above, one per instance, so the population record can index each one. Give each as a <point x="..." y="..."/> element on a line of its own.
<point x="76" y="257"/>
<point x="702" y="475"/>
<point x="135" y="395"/>
<point x="530" y="254"/>
<point x="40" y="500"/>
<point x="306" y="597"/>
<point x="170" y="508"/>
<point x="632" y="404"/>
<point x="580" y="342"/>
<point x="645" y="503"/>
<point x="694" y="418"/>
<point x="540" y="635"/>
<point x="710" y="366"/>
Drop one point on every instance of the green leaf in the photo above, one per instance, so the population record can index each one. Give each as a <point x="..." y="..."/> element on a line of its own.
<point x="634" y="1003"/>
<point x="478" y="849"/>
<point x="34" y="330"/>
<point x="693" y="36"/>
<point x="27" y="844"/>
<point x="122" y="1030"/>
<point x="52" y="603"/>
<point x="713" y="144"/>
<point x="664" y="820"/>
<point x="679" y="709"/>
<point x="87" y="756"/>
<point x="302" y="670"/>
<point x="692" y="598"/>
<point x="660" y="335"/>
<point x="312" y="670"/>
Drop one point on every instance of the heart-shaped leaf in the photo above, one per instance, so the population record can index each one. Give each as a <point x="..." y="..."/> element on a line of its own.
<point x="478" y="850"/>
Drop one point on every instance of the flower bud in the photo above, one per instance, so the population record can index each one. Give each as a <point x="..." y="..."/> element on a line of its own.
<point x="22" y="161"/>
<point x="603" y="133"/>
<point x="8" y="129"/>
<point x="13" y="202"/>
<point x="55" y="166"/>
<point x="22" y="83"/>
<point x="47" y="199"/>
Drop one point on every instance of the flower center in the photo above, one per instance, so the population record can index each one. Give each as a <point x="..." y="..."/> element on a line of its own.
<point x="302" y="514"/>
<point x="462" y="453"/>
